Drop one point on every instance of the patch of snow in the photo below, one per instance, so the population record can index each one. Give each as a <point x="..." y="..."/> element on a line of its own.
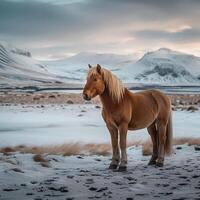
<point x="74" y="123"/>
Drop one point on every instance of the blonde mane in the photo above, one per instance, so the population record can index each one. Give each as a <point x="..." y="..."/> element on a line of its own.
<point x="113" y="84"/>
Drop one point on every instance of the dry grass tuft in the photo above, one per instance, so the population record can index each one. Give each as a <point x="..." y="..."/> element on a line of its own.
<point x="147" y="148"/>
<point x="192" y="108"/>
<point x="65" y="149"/>
<point x="70" y="149"/>
<point x="98" y="149"/>
<point x="39" y="158"/>
<point x="44" y="164"/>
<point x="88" y="149"/>
<point x="186" y="140"/>
<point x="7" y="150"/>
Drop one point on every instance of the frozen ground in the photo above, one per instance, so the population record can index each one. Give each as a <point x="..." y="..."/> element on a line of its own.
<point x="87" y="177"/>
<point x="58" y="124"/>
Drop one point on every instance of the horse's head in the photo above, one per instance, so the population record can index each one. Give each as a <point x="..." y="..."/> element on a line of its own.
<point x="95" y="84"/>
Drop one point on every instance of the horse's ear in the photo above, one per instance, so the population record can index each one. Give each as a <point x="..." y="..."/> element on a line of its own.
<point x="98" y="68"/>
<point x="89" y="66"/>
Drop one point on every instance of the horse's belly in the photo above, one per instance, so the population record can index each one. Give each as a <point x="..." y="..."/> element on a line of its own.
<point x="136" y="127"/>
<point x="140" y="124"/>
<point x="131" y="128"/>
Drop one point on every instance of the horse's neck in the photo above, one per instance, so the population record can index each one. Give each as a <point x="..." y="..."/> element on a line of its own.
<point x="107" y="101"/>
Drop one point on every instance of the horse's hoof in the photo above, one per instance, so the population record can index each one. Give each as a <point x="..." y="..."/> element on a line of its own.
<point x="122" y="169"/>
<point x="152" y="162"/>
<point x="113" y="166"/>
<point x="159" y="164"/>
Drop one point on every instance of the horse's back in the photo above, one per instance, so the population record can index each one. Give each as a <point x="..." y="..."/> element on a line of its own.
<point x="147" y="106"/>
<point x="152" y="97"/>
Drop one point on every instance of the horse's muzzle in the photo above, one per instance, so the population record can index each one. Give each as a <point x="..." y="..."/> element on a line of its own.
<point x="86" y="97"/>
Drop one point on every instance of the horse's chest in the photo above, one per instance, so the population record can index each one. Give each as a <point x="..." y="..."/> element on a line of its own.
<point x="113" y="118"/>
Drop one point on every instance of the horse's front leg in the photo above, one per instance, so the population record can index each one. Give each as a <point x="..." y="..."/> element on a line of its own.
<point x="115" y="147"/>
<point x="123" y="128"/>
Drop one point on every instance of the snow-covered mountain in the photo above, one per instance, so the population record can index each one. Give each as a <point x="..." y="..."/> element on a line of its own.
<point x="167" y="67"/>
<point x="84" y="58"/>
<point x="163" y="66"/>
<point x="75" y="68"/>
<point x="17" y="67"/>
<point x="175" y="58"/>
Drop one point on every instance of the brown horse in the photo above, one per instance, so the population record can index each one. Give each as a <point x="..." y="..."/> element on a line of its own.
<point x="124" y="110"/>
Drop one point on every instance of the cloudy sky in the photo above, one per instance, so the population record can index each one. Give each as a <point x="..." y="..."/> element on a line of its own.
<point x="53" y="29"/>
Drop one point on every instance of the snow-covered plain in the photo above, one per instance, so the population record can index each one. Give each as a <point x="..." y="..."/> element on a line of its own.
<point x="85" y="177"/>
<point x="59" y="124"/>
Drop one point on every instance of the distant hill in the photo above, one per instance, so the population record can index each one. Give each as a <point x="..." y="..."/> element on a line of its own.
<point x="18" y="67"/>
<point x="164" y="66"/>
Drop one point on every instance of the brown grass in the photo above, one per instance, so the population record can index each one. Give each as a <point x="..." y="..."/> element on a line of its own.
<point x="7" y="150"/>
<point x="192" y="108"/>
<point x="65" y="149"/>
<point x="39" y="158"/>
<point x="88" y="149"/>
<point x="147" y="146"/>
<point x="189" y="141"/>
<point x="69" y="149"/>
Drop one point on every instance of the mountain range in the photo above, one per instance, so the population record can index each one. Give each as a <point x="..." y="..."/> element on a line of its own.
<point x="163" y="66"/>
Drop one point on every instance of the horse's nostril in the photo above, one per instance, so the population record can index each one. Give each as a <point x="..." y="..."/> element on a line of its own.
<point x="86" y="97"/>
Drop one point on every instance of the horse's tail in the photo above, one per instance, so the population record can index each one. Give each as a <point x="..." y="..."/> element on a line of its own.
<point x="169" y="136"/>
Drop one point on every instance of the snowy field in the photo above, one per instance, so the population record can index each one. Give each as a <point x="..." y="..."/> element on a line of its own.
<point x="84" y="177"/>
<point x="88" y="177"/>
<point x="58" y="124"/>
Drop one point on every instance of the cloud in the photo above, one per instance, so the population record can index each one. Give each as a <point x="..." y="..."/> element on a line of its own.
<point x="54" y="26"/>
<point x="183" y="36"/>
<point x="35" y="19"/>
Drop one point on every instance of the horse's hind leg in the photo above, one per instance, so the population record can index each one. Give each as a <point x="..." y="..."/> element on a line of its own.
<point x="115" y="147"/>
<point x="154" y="137"/>
<point x="161" y="143"/>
